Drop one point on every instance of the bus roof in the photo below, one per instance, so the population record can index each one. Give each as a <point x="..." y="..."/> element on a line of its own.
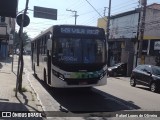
<point x="72" y="29"/>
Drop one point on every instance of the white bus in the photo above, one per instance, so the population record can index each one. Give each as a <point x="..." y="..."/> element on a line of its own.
<point x="66" y="56"/>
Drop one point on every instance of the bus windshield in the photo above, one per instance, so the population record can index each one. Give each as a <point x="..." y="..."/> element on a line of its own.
<point x="79" y="51"/>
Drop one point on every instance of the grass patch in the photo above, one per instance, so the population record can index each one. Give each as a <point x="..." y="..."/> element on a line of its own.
<point x="33" y="98"/>
<point x="32" y="95"/>
<point x="23" y="89"/>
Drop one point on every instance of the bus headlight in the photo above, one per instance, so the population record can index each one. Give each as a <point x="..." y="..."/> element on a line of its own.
<point x="57" y="74"/>
<point x="61" y="76"/>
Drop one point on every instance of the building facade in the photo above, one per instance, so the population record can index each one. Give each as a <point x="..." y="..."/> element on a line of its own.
<point x="151" y="42"/>
<point x="125" y="36"/>
<point x="7" y="25"/>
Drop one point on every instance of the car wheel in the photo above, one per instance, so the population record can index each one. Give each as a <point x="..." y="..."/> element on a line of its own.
<point x="114" y="74"/>
<point x="153" y="87"/>
<point x="132" y="82"/>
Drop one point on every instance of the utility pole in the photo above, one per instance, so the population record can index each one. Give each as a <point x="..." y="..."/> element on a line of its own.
<point x="108" y="25"/>
<point x="20" y="60"/>
<point x="14" y="39"/>
<point x="142" y="27"/>
<point x="108" y="19"/>
<point x="105" y="11"/>
<point x="74" y="15"/>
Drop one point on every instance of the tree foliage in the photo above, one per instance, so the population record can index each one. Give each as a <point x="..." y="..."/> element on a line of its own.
<point x="25" y="38"/>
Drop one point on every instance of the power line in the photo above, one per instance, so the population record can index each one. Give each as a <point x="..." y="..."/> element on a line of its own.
<point x="123" y="11"/>
<point x="78" y="6"/>
<point x="123" y="6"/>
<point x="95" y="9"/>
<point x="89" y="12"/>
<point x="74" y="3"/>
<point x="91" y="20"/>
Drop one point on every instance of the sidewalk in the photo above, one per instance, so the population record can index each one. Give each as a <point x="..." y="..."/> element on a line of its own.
<point x="25" y="101"/>
<point x="123" y="78"/>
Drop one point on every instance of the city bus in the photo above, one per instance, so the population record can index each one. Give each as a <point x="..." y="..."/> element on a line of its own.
<point x="68" y="56"/>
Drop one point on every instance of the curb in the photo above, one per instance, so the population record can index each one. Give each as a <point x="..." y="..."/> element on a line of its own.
<point x="37" y="96"/>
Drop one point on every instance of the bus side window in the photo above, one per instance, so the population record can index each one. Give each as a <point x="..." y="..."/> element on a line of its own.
<point x="39" y="46"/>
<point x="38" y="51"/>
<point x="42" y="46"/>
<point x="45" y="47"/>
<point x="54" y="47"/>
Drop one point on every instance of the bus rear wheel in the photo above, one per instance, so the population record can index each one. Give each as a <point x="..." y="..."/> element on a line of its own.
<point x="44" y="76"/>
<point x="34" y="71"/>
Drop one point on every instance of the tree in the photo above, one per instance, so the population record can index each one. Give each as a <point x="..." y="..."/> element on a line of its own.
<point x="25" y="38"/>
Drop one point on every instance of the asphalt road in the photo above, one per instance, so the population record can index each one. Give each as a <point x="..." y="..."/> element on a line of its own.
<point x="137" y="98"/>
<point x="116" y="96"/>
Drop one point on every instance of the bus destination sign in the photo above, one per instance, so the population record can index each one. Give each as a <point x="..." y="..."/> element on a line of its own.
<point x="87" y="31"/>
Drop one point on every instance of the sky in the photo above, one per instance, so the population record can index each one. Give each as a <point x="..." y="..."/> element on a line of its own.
<point x="87" y="14"/>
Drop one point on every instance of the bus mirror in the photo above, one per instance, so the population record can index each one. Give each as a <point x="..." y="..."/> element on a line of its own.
<point x="49" y="44"/>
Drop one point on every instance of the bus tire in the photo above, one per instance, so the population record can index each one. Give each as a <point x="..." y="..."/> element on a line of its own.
<point x="34" y="70"/>
<point x="44" y="76"/>
<point x="88" y="88"/>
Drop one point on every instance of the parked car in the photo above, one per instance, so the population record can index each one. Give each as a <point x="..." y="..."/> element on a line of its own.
<point x="118" y="69"/>
<point x="28" y="52"/>
<point x="147" y="75"/>
<point x="17" y="51"/>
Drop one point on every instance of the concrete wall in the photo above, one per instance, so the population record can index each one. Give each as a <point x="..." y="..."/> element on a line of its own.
<point x="128" y="55"/>
<point x="10" y="23"/>
<point x="102" y="23"/>
<point x="124" y="27"/>
<point x="150" y="60"/>
<point x="152" y="24"/>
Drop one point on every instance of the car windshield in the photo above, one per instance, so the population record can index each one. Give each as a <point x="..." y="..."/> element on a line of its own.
<point x="156" y="70"/>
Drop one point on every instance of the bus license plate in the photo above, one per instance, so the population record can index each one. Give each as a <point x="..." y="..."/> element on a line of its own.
<point x="83" y="83"/>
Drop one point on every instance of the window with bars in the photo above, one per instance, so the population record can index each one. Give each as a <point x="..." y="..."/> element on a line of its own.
<point x="2" y="19"/>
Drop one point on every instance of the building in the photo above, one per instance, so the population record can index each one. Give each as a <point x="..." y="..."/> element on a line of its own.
<point x="102" y="23"/>
<point x="123" y="34"/>
<point x="7" y="25"/>
<point x="151" y="42"/>
<point x="124" y="37"/>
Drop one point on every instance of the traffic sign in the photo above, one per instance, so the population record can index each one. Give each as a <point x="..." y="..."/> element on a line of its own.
<point x="26" y="20"/>
<point x="47" y="13"/>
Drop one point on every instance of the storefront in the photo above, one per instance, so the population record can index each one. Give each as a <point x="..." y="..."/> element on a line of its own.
<point x="151" y="52"/>
<point x="114" y="53"/>
<point x="3" y="46"/>
<point x="4" y="37"/>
